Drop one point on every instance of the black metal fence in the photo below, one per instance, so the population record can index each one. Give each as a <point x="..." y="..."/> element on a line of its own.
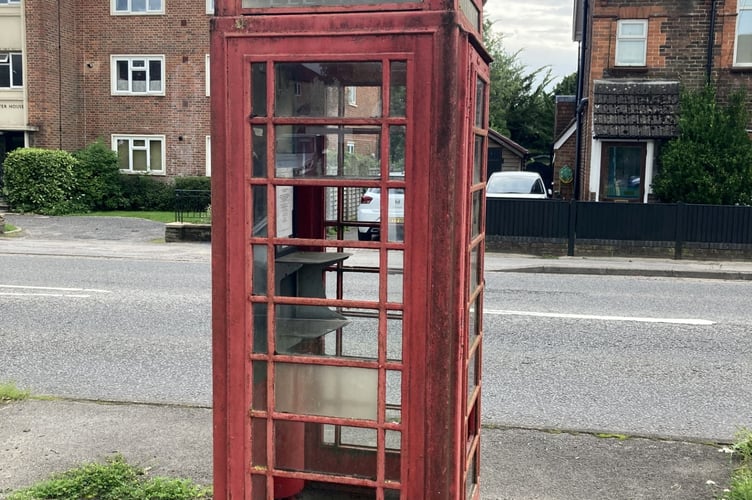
<point x="193" y="205"/>
<point x="653" y="222"/>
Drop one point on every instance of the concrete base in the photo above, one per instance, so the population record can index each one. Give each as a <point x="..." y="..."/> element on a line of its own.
<point x="183" y="231"/>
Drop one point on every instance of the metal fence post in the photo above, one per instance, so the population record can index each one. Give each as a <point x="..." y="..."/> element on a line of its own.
<point x="681" y="230"/>
<point x="571" y="229"/>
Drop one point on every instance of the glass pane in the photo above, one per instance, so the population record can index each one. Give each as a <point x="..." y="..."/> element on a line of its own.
<point x="155" y="76"/>
<point x="475" y="272"/>
<point x="473" y="323"/>
<point x="623" y="171"/>
<point x="394" y="339"/>
<point x="632" y="29"/>
<point x="631" y="52"/>
<point x="318" y="89"/>
<point x="472" y="371"/>
<point x="331" y="391"/>
<point x="258" y="200"/>
<point x="260" y="339"/>
<point x="259" y="270"/>
<point x="155" y="155"/>
<point x="316" y="151"/>
<point x="744" y="49"/>
<point x="480" y="103"/>
<point x="123" y="150"/>
<point x="258" y="443"/>
<point x="259" y="391"/>
<point x="397" y="150"/>
<point x="258" y="485"/>
<point x="139" y="143"/>
<point x="393" y="440"/>
<point x="5" y="76"/>
<point x="394" y="388"/>
<point x="398" y="88"/>
<point x="476" y="213"/>
<point x="258" y="146"/>
<point x="139" y="160"/>
<point x="122" y="75"/>
<point x="155" y="5"/>
<point x="358" y="338"/>
<point x="478" y="159"/>
<point x="138" y="5"/>
<point x="17" y="70"/>
<point x="138" y="83"/>
<point x="396" y="219"/>
<point x="351" y="461"/>
<point x="258" y="89"/>
<point x="121" y="5"/>
<point x="394" y="276"/>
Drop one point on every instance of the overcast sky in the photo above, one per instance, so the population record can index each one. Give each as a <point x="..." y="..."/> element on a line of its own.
<point x="540" y="29"/>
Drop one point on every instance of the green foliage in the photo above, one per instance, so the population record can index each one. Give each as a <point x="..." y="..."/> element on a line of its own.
<point x="743" y="446"/>
<point x="98" y="177"/>
<point x="567" y="85"/>
<point x="42" y="181"/>
<point x="741" y="486"/>
<point x="142" y="192"/>
<point x="114" y="480"/>
<point x="194" y="183"/>
<point x="520" y="107"/>
<point x="10" y="392"/>
<point x="710" y="161"/>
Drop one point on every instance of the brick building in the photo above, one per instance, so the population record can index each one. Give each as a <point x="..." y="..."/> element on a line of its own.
<point x="634" y="60"/>
<point x="133" y="73"/>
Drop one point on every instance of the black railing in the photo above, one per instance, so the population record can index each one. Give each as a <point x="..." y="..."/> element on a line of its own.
<point x="653" y="222"/>
<point x="193" y="205"/>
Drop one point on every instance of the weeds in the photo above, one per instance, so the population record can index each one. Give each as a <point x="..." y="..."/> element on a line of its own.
<point x="741" y="482"/>
<point x="9" y="392"/>
<point x="113" y="480"/>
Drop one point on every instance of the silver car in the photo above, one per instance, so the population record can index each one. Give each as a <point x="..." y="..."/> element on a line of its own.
<point x="516" y="185"/>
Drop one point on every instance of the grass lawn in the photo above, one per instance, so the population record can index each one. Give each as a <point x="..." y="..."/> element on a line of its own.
<point x="154" y="215"/>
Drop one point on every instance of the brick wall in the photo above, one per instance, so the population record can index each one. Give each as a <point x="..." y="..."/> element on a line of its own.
<point x="70" y="99"/>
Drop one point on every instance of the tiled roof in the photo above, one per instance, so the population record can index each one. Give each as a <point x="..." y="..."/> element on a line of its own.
<point x="632" y="109"/>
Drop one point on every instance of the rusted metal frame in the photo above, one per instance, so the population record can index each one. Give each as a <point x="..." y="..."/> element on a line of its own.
<point x="335" y="479"/>
<point x="318" y="419"/>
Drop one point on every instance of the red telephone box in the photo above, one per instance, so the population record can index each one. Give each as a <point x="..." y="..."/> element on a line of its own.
<point x="349" y="148"/>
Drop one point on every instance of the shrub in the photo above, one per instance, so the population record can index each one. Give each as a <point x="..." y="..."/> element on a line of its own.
<point x="42" y="181"/>
<point x="142" y="192"/>
<point x="99" y="177"/>
<point x="193" y="183"/>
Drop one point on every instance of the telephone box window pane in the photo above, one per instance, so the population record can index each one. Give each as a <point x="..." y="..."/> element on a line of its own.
<point x="258" y="89"/>
<point x="394" y="276"/>
<point x="397" y="136"/>
<point x="398" y="88"/>
<point x="478" y="159"/>
<point x="475" y="271"/>
<point x="258" y="442"/>
<point x="260" y="339"/>
<point x="315" y="151"/>
<point x="394" y="339"/>
<point x="472" y="376"/>
<point x="260" y="223"/>
<point x="320" y="89"/>
<point x="258" y="485"/>
<point x="259" y="270"/>
<point x="396" y="214"/>
<point x="289" y="455"/>
<point x="394" y="388"/>
<point x="474" y="323"/>
<point x="259" y="385"/>
<point x="258" y="147"/>
<point x="476" y="213"/>
<point x="329" y="391"/>
<point x="480" y="103"/>
<point x="357" y="339"/>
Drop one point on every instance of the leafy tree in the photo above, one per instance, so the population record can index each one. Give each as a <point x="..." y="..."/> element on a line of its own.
<point x="567" y="85"/>
<point x="711" y="159"/>
<point x="520" y="106"/>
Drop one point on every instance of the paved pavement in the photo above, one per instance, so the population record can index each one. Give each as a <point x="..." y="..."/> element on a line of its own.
<point x="39" y="437"/>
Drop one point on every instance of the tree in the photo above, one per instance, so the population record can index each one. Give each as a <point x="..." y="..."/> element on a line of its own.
<point x="567" y="85"/>
<point x="711" y="160"/>
<point x="520" y="107"/>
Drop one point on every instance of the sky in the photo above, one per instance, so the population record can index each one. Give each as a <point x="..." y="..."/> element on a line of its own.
<point x="540" y="29"/>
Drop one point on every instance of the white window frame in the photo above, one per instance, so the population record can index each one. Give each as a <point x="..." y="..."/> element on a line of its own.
<point x="6" y="59"/>
<point x="207" y="81"/>
<point x="210" y="7"/>
<point x="744" y="13"/>
<point x="622" y="38"/>
<point x="9" y="2"/>
<point x="115" y="59"/>
<point x="128" y="11"/>
<point x="131" y="148"/>
<point x="208" y="156"/>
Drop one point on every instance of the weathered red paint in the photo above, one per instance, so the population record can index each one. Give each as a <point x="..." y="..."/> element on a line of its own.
<point x="439" y="422"/>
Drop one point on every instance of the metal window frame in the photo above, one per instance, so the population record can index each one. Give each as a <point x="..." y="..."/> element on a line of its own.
<point x="11" y="66"/>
